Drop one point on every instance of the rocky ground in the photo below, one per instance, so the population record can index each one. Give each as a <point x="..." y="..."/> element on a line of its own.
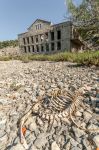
<point x="19" y="85"/>
<point x="10" y="50"/>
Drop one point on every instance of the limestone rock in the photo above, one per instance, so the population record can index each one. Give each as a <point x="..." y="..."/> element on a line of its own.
<point x="87" y="115"/>
<point x="39" y="142"/>
<point x="67" y="146"/>
<point x="78" y="133"/>
<point x="17" y="147"/>
<point x="33" y="148"/>
<point x="54" y="146"/>
<point x="96" y="140"/>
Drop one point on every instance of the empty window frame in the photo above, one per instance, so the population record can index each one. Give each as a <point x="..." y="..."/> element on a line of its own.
<point x="27" y="40"/>
<point x="36" y="27"/>
<point x="32" y="40"/>
<point x="37" y="48"/>
<point x="36" y="39"/>
<point x="46" y="36"/>
<point x="47" y="47"/>
<point x="29" y="50"/>
<point x="59" y="34"/>
<point x="52" y="46"/>
<point x="24" y="41"/>
<point x="58" y="45"/>
<point x="42" y="48"/>
<point x="32" y="48"/>
<point x="40" y="26"/>
<point x="52" y="36"/>
<point x="25" y="49"/>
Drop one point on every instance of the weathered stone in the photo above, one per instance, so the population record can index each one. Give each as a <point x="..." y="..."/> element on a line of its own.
<point x="17" y="147"/>
<point x="3" y="138"/>
<point x="86" y="144"/>
<point x="78" y="114"/>
<point x="40" y="142"/>
<point x="73" y="142"/>
<point x="2" y="123"/>
<point x="75" y="148"/>
<point x="87" y="115"/>
<point x="43" y="129"/>
<point x="67" y="146"/>
<point x="77" y="132"/>
<point x="30" y="138"/>
<point x="96" y="140"/>
<point x="3" y="141"/>
<point x="33" y="148"/>
<point x="33" y="126"/>
<point x="39" y="122"/>
<point x="16" y="140"/>
<point x="60" y="139"/>
<point x="54" y="146"/>
<point x="92" y="127"/>
<point x="4" y="101"/>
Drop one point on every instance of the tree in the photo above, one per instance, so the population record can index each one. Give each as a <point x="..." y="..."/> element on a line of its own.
<point x="88" y="10"/>
<point x="86" y="18"/>
<point x="8" y="43"/>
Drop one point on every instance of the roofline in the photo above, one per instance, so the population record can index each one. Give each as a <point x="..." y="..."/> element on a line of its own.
<point x="22" y="33"/>
<point x="43" y="21"/>
<point x="62" y="23"/>
<point x="48" y="22"/>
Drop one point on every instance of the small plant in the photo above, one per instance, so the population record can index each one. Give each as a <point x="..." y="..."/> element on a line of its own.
<point x="84" y="58"/>
<point x="5" y="58"/>
<point x="14" y="87"/>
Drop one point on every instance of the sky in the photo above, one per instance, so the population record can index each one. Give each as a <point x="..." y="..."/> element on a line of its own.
<point x="17" y="15"/>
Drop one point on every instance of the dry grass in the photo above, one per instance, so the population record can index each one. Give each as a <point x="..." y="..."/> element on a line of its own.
<point x="85" y="58"/>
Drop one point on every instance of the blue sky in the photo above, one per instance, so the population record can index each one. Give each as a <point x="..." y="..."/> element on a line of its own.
<point x="17" y="15"/>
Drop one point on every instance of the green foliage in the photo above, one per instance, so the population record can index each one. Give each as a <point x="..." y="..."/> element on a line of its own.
<point x="5" y="58"/>
<point x="87" y="10"/>
<point x="85" y="58"/>
<point x="86" y="17"/>
<point x="15" y="87"/>
<point x="4" y="44"/>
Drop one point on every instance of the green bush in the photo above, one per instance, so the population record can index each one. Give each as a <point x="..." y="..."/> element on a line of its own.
<point x="4" y="44"/>
<point x="85" y="58"/>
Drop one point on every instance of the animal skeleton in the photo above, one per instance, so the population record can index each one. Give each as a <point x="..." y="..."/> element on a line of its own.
<point x="56" y="105"/>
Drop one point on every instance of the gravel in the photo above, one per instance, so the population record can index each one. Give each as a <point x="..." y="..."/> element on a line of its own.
<point x="21" y="83"/>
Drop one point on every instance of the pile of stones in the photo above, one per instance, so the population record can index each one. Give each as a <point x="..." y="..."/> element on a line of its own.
<point x="21" y="83"/>
<point x="8" y="51"/>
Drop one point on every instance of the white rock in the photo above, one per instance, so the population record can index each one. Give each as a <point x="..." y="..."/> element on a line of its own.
<point x="3" y="138"/>
<point x="33" y="148"/>
<point x="73" y="142"/>
<point x="67" y="146"/>
<point x="78" y="114"/>
<point x="17" y="147"/>
<point x="54" y="146"/>
<point x="87" y="115"/>
<point x="78" y="133"/>
<point x="33" y="126"/>
<point x="2" y="122"/>
<point x="4" y="101"/>
<point x="40" y="142"/>
<point x="96" y="140"/>
<point x="93" y="127"/>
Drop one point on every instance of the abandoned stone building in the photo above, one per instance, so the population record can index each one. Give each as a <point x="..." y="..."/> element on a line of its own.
<point x="43" y="37"/>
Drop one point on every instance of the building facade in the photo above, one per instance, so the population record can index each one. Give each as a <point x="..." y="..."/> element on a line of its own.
<point x="43" y="37"/>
